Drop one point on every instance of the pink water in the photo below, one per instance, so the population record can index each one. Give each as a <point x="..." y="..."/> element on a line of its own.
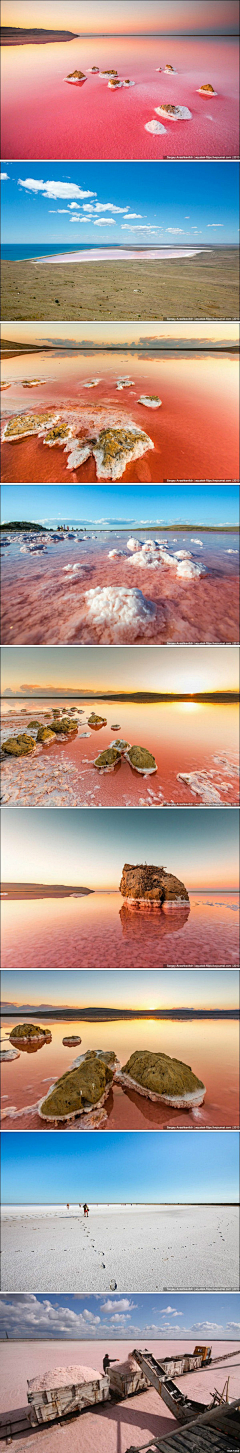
<point x="182" y="736"/>
<point x="103" y="931"/>
<point x="211" y="1047"/>
<point x="195" y="432"/>
<point x="44" y="117"/>
<point x="41" y="603"/>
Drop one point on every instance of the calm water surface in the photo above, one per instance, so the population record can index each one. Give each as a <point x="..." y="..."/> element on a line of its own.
<point x="103" y="931"/>
<point x="210" y="1047"/>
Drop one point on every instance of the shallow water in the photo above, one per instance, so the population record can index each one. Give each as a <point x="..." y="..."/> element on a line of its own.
<point x="42" y="602"/>
<point x="184" y="737"/>
<point x="210" y="1047"/>
<point x="103" y="931"/>
<point x="44" y="117"/>
<point x="194" y="432"/>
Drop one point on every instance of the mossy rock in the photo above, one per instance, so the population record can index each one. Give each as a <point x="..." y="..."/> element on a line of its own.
<point x="96" y="721"/>
<point x="161" y="1075"/>
<point x="64" y="727"/>
<point x="79" y="1088"/>
<point x="29" y="1032"/>
<point x="76" y="76"/>
<point x="120" y="744"/>
<point x="106" y="761"/>
<point x="45" y="734"/>
<point x="140" y="759"/>
<point x="18" y="746"/>
<point x="34" y="725"/>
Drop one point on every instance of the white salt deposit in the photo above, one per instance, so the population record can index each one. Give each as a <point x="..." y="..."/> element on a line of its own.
<point x="201" y="785"/>
<point x="92" y="383"/>
<point x="113" y="553"/>
<point x="121" y="613"/>
<point x="187" y="569"/>
<point x="180" y="113"/>
<point x="154" y="127"/>
<point x="150" y="403"/>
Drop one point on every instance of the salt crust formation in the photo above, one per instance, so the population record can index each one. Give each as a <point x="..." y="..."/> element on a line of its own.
<point x="159" y="1077"/>
<point x="173" y="113"/>
<point x="121" y="612"/>
<point x="142" y="881"/>
<point x="116" y="441"/>
<point x="150" y="401"/>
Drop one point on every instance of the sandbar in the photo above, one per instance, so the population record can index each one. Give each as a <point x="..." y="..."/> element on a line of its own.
<point x="141" y="1248"/>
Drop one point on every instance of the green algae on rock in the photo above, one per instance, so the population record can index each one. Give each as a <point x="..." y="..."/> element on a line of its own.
<point x="57" y="434"/>
<point x="45" y="734"/>
<point x="19" y="746"/>
<point x="106" y="761"/>
<point x="21" y="425"/>
<point x="141" y="760"/>
<point x="96" y="721"/>
<point x="85" y="1086"/>
<point x="30" y="1034"/>
<point x="64" y="727"/>
<point x="158" y="1076"/>
<point x="34" y="725"/>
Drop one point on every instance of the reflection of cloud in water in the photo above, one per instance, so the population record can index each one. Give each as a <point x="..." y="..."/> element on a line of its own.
<point x="148" y="922"/>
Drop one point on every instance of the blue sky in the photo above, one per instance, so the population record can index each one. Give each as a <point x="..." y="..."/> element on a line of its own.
<point x="89" y="848"/>
<point x="156" y="504"/>
<point x="191" y="1315"/>
<point x="120" y="1167"/>
<point x="113" y="202"/>
<point x="155" y="988"/>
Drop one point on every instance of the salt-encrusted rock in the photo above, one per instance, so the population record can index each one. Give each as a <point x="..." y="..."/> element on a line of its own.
<point x="206" y="90"/>
<point x="168" y="69"/>
<point x="108" y="760"/>
<point x="96" y="722"/>
<point x="63" y="727"/>
<point x="108" y="73"/>
<point x="75" y="76"/>
<point x="71" y="1040"/>
<point x="155" y="127"/>
<point x="115" y="85"/>
<point x="85" y="1085"/>
<point x="57" y="434"/>
<point x="141" y="760"/>
<point x="7" y="1051"/>
<point x="45" y="734"/>
<point x="124" y="383"/>
<point x="120" y="744"/>
<point x="154" y="884"/>
<point x="19" y="746"/>
<point x="92" y="70"/>
<point x="27" y="1034"/>
<point x="150" y="401"/>
<point x="34" y="724"/>
<point x="22" y="425"/>
<point x="117" y="447"/>
<point x="158" y="1077"/>
<point x="173" y="113"/>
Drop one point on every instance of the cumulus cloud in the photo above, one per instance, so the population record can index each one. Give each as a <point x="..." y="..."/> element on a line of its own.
<point x="215" y="224"/>
<point x="109" y="207"/>
<point x="141" y="227"/>
<point x="27" y="1316"/>
<point x="53" y="188"/>
<point x="54" y="210"/>
<point x="174" y="229"/>
<point x="4" y="177"/>
<point x="172" y="1310"/>
<point x="72" y="205"/>
<point x="104" y="222"/>
<point x="123" y="1304"/>
<point x="133" y="214"/>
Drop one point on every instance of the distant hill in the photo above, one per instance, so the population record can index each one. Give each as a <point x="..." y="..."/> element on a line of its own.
<point x="18" y="525"/>
<point x="99" y="1015"/>
<point x="12" y="350"/>
<point x="42" y="890"/>
<point x="15" y="35"/>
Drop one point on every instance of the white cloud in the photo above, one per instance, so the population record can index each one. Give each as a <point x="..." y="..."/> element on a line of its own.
<point x="4" y="177"/>
<point x="171" y="1309"/>
<point x="174" y="229"/>
<point x="109" y="207"/>
<point x="27" y="1316"/>
<point x="78" y="219"/>
<point x="207" y="1327"/>
<point x="104" y="222"/>
<point x="53" y="211"/>
<point x="235" y="1325"/>
<point x="72" y="205"/>
<point x="123" y="1304"/>
<point x="133" y="214"/>
<point x="88" y="207"/>
<point x="214" y="224"/>
<point x="54" y="189"/>
<point x="141" y="227"/>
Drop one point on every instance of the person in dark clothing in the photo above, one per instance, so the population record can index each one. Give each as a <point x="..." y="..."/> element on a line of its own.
<point x="107" y="1361"/>
<point x="85" y="1208"/>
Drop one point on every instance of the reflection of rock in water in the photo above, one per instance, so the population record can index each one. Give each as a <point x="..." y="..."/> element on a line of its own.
<point x="146" y="922"/>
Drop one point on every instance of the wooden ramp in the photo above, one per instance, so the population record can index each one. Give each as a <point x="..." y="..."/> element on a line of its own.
<point x="218" y="1431"/>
